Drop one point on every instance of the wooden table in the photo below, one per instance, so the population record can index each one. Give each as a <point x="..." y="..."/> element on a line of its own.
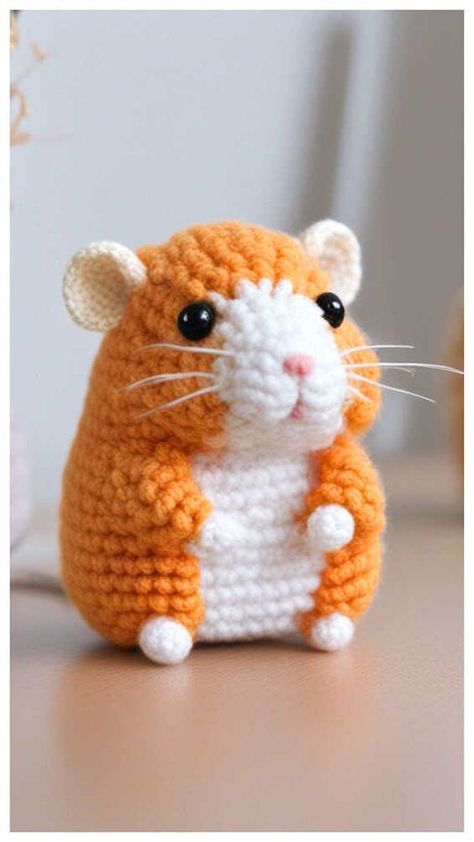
<point x="262" y="736"/>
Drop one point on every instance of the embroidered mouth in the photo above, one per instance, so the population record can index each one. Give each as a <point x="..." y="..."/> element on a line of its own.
<point x="297" y="412"/>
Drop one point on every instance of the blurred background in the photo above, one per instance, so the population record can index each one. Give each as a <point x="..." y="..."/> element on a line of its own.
<point x="145" y="122"/>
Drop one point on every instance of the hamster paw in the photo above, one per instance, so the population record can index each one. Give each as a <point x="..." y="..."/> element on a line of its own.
<point x="219" y="532"/>
<point x="332" y="632"/>
<point x="164" y="640"/>
<point x="330" y="527"/>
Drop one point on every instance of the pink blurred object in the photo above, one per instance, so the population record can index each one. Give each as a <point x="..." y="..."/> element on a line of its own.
<point x="20" y="505"/>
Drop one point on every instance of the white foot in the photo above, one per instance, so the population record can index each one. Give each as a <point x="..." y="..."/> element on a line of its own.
<point x="164" y="640"/>
<point x="330" y="527"/>
<point x="332" y="632"/>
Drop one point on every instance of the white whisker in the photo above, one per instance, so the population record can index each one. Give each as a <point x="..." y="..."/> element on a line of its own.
<point x="219" y="351"/>
<point x="391" y="388"/>
<point x="412" y="365"/>
<point x="165" y="378"/>
<point x="359" y="394"/>
<point x="176" y="401"/>
<point x="371" y="347"/>
<point x="395" y="367"/>
<point x="404" y="368"/>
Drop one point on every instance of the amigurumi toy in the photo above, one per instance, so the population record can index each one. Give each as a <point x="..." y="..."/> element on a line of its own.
<point x="215" y="489"/>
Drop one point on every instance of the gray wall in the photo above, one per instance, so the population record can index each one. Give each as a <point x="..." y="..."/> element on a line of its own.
<point x="149" y="121"/>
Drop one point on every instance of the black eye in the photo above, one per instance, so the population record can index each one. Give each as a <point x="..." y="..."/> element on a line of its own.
<point x="332" y="307"/>
<point x="196" y="320"/>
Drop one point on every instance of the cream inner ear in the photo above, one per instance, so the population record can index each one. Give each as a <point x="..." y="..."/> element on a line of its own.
<point x="98" y="282"/>
<point x="337" y="251"/>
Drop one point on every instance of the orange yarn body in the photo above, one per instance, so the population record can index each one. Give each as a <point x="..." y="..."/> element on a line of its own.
<point x="130" y="504"/>
<point x="347" y="477"/>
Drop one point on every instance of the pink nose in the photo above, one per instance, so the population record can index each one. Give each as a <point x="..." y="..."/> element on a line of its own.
<point x="299" y="364"/>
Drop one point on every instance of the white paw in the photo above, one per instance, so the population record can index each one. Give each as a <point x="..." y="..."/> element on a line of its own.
<point x="330" y="527"/>
<point x="332" y="632"/>
<point x="164" y="640"/>
<point x="219" y="531"/>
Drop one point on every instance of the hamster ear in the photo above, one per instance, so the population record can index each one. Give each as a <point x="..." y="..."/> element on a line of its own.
<point x="337" y="251"/>
<point x="97" y="283"/>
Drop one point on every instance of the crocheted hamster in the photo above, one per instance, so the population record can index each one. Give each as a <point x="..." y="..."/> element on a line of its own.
<point x="215" y="489"/>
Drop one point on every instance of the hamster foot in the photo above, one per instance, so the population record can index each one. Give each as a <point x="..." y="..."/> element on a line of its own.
<point x="332" y="632"/>
<point x="164" y="640"/>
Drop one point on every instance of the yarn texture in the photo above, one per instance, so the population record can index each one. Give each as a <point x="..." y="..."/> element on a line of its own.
<point x="216" y="489"/>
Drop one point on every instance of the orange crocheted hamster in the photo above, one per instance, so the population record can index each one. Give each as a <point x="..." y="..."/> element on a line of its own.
<point x="215" y="489"/>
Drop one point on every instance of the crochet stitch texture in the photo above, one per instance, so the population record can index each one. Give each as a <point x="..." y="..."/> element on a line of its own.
<point x="223" y="513"/>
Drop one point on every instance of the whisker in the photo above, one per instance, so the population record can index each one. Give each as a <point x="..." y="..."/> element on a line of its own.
<point x="433" y="366"/>
<point x="165" y="378"/>
<point x="396" y="367"/>
<point x="359" y="394"/>
<point x="219" y="351"/>
<point x="404" y="368"/>
<point x="391" y="388"/>
<point x="372" y="347"/>
<point x="176" y="401"/>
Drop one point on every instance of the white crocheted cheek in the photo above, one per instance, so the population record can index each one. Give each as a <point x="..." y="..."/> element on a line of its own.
<point x="260" y="328"/>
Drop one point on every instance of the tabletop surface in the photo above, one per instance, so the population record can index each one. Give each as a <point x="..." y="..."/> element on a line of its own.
<point x="259" y="736"/>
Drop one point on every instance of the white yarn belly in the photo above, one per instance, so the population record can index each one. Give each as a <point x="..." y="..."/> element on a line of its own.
<point x="257" y="573"/>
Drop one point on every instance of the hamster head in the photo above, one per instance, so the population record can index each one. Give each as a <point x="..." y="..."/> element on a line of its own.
<point x="228" y="335"/>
